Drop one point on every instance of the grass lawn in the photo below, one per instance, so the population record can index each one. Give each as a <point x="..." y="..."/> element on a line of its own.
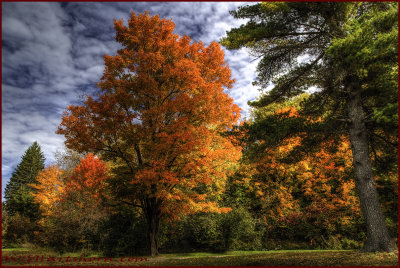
<point x="38" y="257"/>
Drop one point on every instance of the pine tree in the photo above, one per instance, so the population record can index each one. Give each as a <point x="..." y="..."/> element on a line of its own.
<point x="18" y="192"/>
<point x="349" y="53"/>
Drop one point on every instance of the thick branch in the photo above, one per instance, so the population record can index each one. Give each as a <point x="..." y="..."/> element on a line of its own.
<point x="139" y="155"/>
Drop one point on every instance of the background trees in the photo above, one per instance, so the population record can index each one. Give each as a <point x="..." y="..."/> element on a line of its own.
<point x="158" y="117"/>
<point x="22" y="212"/>
<point x="72" y="204"/>
<point x="49" y="189"/>
<point x="18" y="192"/>
<point x="346" y="48"/>
<point x="311" y="202"/>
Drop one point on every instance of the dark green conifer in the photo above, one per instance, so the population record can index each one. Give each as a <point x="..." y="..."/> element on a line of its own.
<point x="18" y="190"/>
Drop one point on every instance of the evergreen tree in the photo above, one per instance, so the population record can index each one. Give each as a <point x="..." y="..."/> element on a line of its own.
<point x="18" y="190"/>
<point x="349" y="52"/>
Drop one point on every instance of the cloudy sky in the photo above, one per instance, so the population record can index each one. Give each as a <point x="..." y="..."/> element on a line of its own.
<point x="52" y="54"/>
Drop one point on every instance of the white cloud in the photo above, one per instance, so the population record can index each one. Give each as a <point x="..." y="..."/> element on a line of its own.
<point x="16" y="28"/>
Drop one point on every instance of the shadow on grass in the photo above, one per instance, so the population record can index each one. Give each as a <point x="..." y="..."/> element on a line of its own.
<point x="43" y="257"/>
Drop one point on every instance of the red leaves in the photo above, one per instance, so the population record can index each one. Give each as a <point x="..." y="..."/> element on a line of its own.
<point x="88" y="177"/>
<point x="160" y="110"/>
<point x="84" y="187"/>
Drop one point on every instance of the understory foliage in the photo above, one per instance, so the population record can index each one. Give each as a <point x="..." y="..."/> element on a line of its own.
<point x="308" y="200"/>
<point x="72" y="204"/>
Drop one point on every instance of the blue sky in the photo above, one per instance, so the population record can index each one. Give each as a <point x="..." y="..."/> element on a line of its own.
<point x="52" y="55"/>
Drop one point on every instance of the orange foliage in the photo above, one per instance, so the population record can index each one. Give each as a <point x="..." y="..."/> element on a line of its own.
<point x="159" y="114"/>
<point x="85" y="185"/>
<point x="327" y="181"/>
<point x="323" y="179"/>
<point x="289" y="111"/>
<point x="49" y="188"/>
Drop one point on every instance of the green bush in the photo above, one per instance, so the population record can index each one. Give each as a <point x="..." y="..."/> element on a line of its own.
<point x="241" y="230"/>
<point x="203" y="232"/>
<point x="277" y="244"/>
<point x="197" y="232"/>
<point x="338" y="242"/>
<point x="125" y="235"/>
<point x="351" y="244"/>
<point x="333" y="242"/>
<point x="18" y="229"/>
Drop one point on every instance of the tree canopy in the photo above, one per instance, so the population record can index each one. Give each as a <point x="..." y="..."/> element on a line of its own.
<point x="158" y="116"/>
<point x="348" y="52"/>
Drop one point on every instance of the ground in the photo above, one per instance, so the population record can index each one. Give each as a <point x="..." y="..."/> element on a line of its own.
<point x="40" y="256"/>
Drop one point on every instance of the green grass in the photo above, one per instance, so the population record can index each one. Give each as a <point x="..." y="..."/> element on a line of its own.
<point x="230" y="258"/>
<point x="207" y="254"/>
<point x="15" y="249"/>
<point x="232" y="253"/>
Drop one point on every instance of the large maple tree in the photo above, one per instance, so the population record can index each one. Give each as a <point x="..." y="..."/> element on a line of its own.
<point x="158" y="117"/>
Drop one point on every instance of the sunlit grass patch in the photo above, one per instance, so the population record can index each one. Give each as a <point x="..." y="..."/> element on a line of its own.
<point x="14" y="249"/>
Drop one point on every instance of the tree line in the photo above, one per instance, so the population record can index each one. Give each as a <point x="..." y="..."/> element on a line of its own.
<point x="157" y="158"/>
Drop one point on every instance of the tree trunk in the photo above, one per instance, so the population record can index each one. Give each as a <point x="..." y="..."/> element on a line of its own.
<point x="152" y="211"/>
<point x="378" y="238"/>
